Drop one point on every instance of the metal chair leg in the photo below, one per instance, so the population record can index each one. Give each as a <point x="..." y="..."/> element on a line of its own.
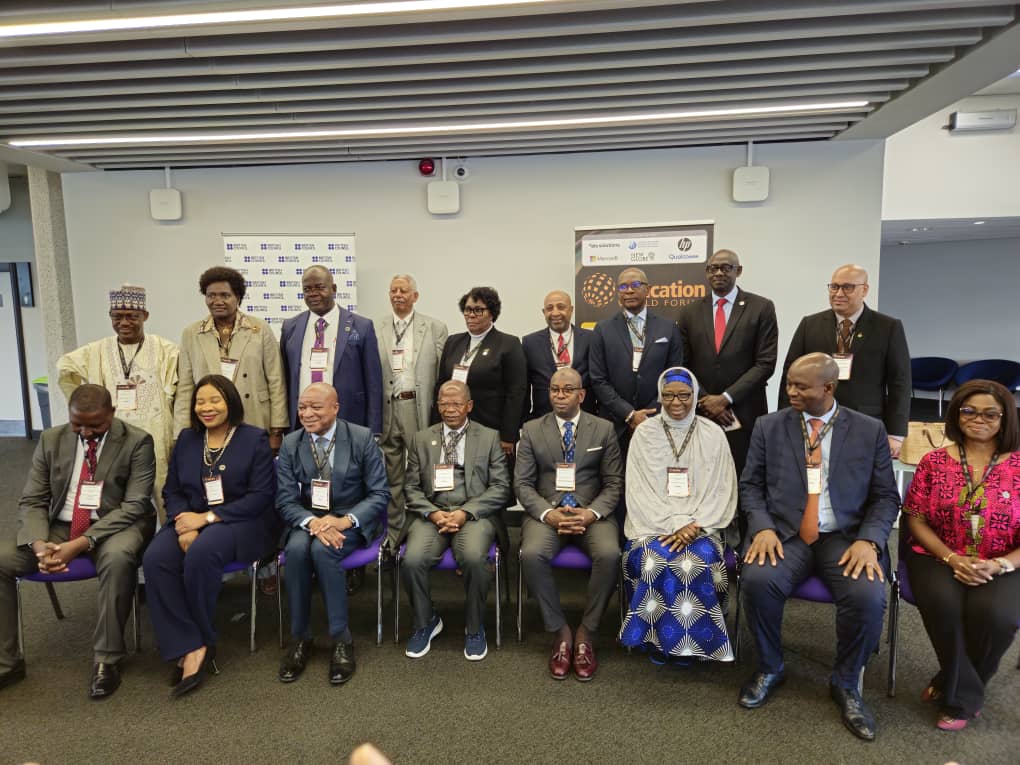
<point x="135" y="621"/>
<point x="499" y="602"/>
<point x="378" y="596"/>
<point x="396" y="599"/>
<point x="21" y="621"/>
<point x="279" y="598"/>
<point x="894" y="629"/>
<point x="254" y="590"/>
<point x="736" y="619"/>
<point x="520" y="596"/>
<point x="54" y="600"/>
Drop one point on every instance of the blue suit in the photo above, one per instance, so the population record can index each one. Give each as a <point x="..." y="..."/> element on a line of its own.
<point x="538" y="353"/>
<point x="864" y="499"/>
<point x="182" y="588"/>
<point x="358" y="487"/>
<point x="357" y="372"/>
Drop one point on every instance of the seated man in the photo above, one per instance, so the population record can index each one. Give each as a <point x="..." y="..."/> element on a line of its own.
<point x="88" y="493"/>
<point x="332" y="496"/>
<point x="820" y="497"/>
<point x="456" y="484"/>
<point x="568" y="478"/>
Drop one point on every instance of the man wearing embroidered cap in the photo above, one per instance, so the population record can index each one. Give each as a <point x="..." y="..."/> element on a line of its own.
<point x="139" y="370"/>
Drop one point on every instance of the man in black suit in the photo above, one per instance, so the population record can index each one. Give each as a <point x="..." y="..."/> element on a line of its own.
<point x="870" y="348"/>
<point x="628" y="353"/>
<point x="819" y="496"/>
<point x="731" y="337"/>
<point x="560" y="345"/>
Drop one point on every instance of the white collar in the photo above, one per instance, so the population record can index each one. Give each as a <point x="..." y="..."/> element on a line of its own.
<point x="567" y="336"/>
<point x="332" y="316"/>
<point x="642" y="314"/>
<point x="731" y="298"/>
<point x="481" y="337"/>
<point x="447" y="430"/>
<point x="824" y="417"/>
<point x="328" y="435"/>
<point x="575" y="419"/>
<point x="854" y="317"/>
<point x="408" y="319"/>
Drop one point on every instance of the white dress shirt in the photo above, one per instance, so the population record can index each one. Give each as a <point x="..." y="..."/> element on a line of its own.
<point x="404" y="381"/>
<point x="554" y="341"/>
<point x="72" y="489"/>
<point x="332" y="325"/>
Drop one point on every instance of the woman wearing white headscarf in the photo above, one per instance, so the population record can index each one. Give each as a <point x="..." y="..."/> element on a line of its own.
<point x="681" y="495"/>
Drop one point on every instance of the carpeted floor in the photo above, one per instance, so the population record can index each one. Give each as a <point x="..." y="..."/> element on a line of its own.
<point x="444" y="709"/>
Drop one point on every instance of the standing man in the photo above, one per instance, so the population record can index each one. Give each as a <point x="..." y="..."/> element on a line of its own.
<point x="819" y="495"/>
<point x="89" y="492"/>
<point x="139" y="370"/>
<point x="870" y="348"/>
<point x="569" y="478"/>
<point x="410" y="345"/>
<point x="332" y="345"/>
<point x="628" y="353"/>
<point x="559" y="345"/>
<point x="732" y="338"/>
<point x="332" y="494"/>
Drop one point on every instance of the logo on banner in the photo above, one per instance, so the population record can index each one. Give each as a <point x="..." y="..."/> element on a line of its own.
<point x="272" y="272"/>
<point x="256" y="282"/>
<point x="338" y="246"/>
<point x="254" y="259"/>
<point x="288" y="258"/>
<point x="289" y="284"/>
<point x="236" y="246"/>
<point x="303" y="246"/>
<point x="322" y="258"/>
<point x="685" y="244"/>
<point x="598" y="290"/>
<point x="270" y="246"/>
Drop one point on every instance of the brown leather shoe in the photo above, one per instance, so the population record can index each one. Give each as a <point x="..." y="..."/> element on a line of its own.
<point x="559" y="662"/>
<point x="585" y="662"/>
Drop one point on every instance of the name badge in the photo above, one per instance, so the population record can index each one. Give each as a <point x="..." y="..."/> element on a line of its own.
<point x="814" y="480"/>
<point x="90" y="494"/>
<point x="228" y="368"/>
<point x="127" y="397"/>
<point x="397" y="360"/>
<point x="566" y="474"/>
<point x="320" y="494"/>
<point x="460" y="373"/>
<point x="214" y="490"/>
<point x="845" y="362"/>
<point x="635" y="361"/>
<point x="678" y="482"/>
<point x="735" y="425"/>
<point x="318" y="361"/>
<point x="442" y="478"/>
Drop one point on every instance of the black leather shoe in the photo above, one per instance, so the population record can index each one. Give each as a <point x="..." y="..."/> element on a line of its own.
<point x="856" y="715"/>
<point x="355" y="578"/>
<point x="192" y="682"/>
<point x="294" y="662"/>
<point x="341" y="663"/>
<point x="757" y="690"/>
<point x="105" y="680"/>
<point x="15" y="675"/>
<point x="176" y="675"/>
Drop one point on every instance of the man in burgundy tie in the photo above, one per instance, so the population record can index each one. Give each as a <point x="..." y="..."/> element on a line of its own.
<point x="88" y="495"/>
<point x="820" y="499"/>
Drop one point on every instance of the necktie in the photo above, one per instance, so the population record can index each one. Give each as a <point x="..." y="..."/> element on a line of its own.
<point x="809" y="523"/>
<point x="320" y="342"/>
<point x="562" y="354"/>
<point x="569" y="500"/>
<point x="81" y="517"/>
<point x="450" y="450"/>
<point x="321" y="443"/>
<point x="843" y="340"/>
<point x="720" y="323"/>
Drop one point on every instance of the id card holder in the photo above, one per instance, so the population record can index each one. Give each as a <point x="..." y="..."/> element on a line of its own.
<point x="228" y="368"/>
<point x="845" y="362"/>
<point x="320" y="494"/>
<point x="214" y="490"/>
<point x="814" y="480"/>
<point x="90" y="494"/>
<point x="635" y="360"/>
<point x="127" y="397"/>
<point x="318" y="360"/>
<point x="460" y="373"/>
<point x="566" y="476"/>
<point x="397" y="360"/>
<point x="678" y="482"/>
<point x="442" y="478"/>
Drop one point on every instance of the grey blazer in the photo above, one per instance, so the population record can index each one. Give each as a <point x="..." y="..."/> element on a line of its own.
<point x="485" y="471"/>
<point x="429" y="338"/>
<point x="599" y="471"/>
<point x="127" y="468"/>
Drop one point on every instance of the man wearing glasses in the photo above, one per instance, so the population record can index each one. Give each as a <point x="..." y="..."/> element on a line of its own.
<point x="870" y="348"/>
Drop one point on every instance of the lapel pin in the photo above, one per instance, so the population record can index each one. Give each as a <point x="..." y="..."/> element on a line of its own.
<point x="222" y="468"/>
<point x="434" y="443"/>
<point x="347" y="329"/>
<point x="485" y="352"/>
<point x="741" y="302"/>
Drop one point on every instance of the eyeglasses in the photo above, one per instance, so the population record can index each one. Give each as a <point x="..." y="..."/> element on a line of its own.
<point x="451" y="404"/>
<point x="722" y="268"/>
<point x="988" y="415"/>
<point x="566" y="390"/>
<point x="683" y="398"/>
<point x="631" y="286"/>
<point x="846" y="289"/>
<point x="317" y="288"/>
<point x="474" y="310"/>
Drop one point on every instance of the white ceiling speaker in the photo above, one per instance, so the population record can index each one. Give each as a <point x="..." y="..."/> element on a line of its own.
<point x="994" y="119"/>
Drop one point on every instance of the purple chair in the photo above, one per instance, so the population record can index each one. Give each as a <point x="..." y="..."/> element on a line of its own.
<point x="78" y="570"/>
<point x="252" y="570"/>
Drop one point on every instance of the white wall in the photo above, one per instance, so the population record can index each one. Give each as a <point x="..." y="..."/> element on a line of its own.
<point x="931" y="173"/>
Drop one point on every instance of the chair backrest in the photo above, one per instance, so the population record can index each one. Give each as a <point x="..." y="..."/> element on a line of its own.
<point x="932" y="372"/>
<point x="1000" y="370"/>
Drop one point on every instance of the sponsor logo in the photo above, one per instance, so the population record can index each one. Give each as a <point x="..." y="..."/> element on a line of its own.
<point x="322" y="258"/>
<point x="257" y="308"/>
<point x="289" y="283"/>
<point x="288" y="258"/>
<point x="606" y="245"/>
<point x="350" y="283"/>
<point x="291" y="308"/>
<point x="303" y="246"/>
<point x="632" y="245"/>
<point x="237" y="246"/>
<point x="270" y="246"/>
<point x="256" y="282"/>
<point x="642" y="257"/>
<point x="684" y="244"/>
<point x="349" y="259"/>
<point x="272" y="272"/>
<point x="338" y="246"/>
<point x="254" y="259"/>
<point x="598" y="290"/>
<point x="272" y="296"/>
<point x="679" y="256"/>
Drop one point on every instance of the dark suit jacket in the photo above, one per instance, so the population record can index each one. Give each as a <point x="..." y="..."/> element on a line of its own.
<point x="879" y="383"/>
<point x="541" y="365"/>
<point x="598" y="475"/>
<point x="498" y="381"/>
<point x="357" y="374"/>
<point x="862" y="489"/>
<point x="249" y="487"/>
<point x="358" y="482"/>
<point x="127" y="468"/>
<point x="619" y="390"/>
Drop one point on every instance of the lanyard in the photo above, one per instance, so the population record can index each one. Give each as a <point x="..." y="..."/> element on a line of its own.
<point x="400" y="335"/>
<point x="850" y="338"/>
<point x="224" y="348"/>
<point x="322" y="465"/>
<point x="633" y="330"/>
<point x="810" y="447"/>
<point x="672" y="443"/>
<point x="124" y="365"/>
<point x="465" y="360"/>
<point x="450" y="446"/>
<point x="971" y="488"/>
<point x="208" y="457"/>
<point x="566" y="345"/>
<point x="973" y="501"/>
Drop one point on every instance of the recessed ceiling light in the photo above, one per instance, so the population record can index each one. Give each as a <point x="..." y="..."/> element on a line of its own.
<point x="979" y="223"/>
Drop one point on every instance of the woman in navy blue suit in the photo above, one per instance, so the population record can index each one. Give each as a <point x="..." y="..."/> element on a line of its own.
<point x="219" y="496"/>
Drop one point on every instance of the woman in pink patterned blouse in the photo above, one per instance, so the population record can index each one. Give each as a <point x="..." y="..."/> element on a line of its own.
<point x="963" y="516"/>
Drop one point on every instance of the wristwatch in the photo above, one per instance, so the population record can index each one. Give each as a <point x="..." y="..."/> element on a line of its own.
<point x="210" y="517"/>
<point x="1005" y="566"/>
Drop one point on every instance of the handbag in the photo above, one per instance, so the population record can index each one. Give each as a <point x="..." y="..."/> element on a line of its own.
<point x="923" y="437"/>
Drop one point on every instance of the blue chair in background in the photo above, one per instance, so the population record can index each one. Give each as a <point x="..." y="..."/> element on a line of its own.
<point x="933" y="373"/>
<point x="1000" y="370"/>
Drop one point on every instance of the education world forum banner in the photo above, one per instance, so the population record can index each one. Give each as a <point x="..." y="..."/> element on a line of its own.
<point x="272" y="265"/>
<point x="672" y="255"/>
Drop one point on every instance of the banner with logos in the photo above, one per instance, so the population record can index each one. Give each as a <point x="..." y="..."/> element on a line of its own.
<point x="272" y="265"/>
<point x="672" y="255"/>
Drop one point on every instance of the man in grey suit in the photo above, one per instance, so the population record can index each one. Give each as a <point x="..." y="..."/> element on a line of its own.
<point x="410" y="345"/>
<point x="457" y="483"/>
<point x="88" y="493"/>
<point x="569" y="477"/>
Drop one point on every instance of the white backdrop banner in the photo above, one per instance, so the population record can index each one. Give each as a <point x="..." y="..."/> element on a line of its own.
<point x="272" y="265"/>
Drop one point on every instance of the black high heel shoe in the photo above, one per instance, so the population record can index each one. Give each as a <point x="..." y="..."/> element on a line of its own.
<point x="191" y="682"/>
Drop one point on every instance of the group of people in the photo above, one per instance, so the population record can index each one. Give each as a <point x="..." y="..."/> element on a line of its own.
<point x="645" y="442"/>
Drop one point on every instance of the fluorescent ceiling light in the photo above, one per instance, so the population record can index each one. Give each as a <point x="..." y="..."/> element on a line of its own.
<point x="979" y="223"/>
<point x="84" y="26"/>
<point x="476" y="127"/>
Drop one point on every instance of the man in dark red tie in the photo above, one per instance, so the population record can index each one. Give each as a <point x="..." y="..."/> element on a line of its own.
<point x="88" y="494"/>
<point x="819" y="496"/>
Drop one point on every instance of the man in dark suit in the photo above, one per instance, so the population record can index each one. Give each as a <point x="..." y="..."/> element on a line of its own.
<point x="569" y="478"/>
<point x="88" y="493"/>
<point x="457" y="483"/>
<point x="332" y="345"/>
<point x="819" y="496"/>
<point x="332" y="495"/>
<point x="870" y="347"/>
<point x="559" y="345"/>
<point x="731" y="339"/>
<point x="628" y="353"/>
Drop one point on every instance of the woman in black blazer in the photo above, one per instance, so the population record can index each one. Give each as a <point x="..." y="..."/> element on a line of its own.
<point x="219" y="496"/>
